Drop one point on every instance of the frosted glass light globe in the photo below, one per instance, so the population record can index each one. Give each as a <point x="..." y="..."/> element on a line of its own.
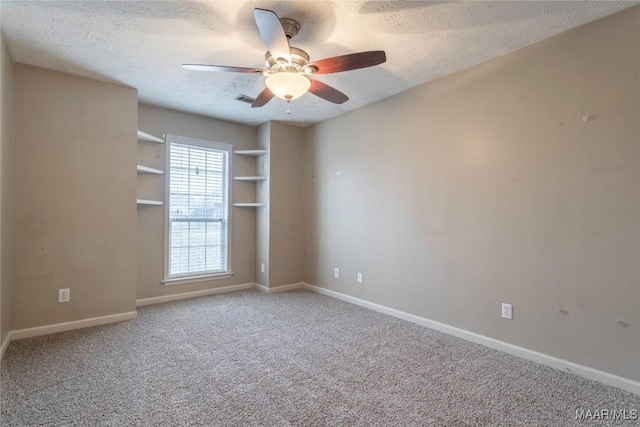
<point x="287" y="85"/>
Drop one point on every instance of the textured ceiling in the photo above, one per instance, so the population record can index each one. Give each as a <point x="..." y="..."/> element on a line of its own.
<point x="143" y="44"/>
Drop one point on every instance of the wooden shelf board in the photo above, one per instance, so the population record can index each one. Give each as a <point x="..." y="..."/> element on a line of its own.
<point x="148" y="137"/>
<point x="146" y="169"/>
<point x="250" y="205"/>
<point x="143" y="202"/>
<point x="251" y="152"/>
<point x="249" y="178"/>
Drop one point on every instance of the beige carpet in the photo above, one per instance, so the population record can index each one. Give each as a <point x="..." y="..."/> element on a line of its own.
<point x="290" y="359"/>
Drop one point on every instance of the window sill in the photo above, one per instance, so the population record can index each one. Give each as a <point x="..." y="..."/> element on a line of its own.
<point x="195" y="279"/>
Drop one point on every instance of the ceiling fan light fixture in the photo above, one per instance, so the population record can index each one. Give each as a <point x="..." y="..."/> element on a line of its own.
<point x="288" y="67"/>
<point x="287" y="85"/>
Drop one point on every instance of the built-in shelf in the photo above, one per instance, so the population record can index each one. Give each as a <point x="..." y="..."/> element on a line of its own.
<point x="146" y="169"/>
<point x="148" y="137"/>
<point x="143" y="202"/>
<point x="251" y="152"/>
<point x="250" y="205"/>
<point x="249" y="178"/>
<point x="144" y="136"/>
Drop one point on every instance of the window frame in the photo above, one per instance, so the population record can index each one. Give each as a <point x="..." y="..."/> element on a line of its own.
<point x="185" y="140"/>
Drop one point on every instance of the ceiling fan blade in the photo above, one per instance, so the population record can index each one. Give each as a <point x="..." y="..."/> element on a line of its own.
<point x="264" y="97"/>
<point x="221" y="68"/>
<point x="273" y="34"/>
<point x="350" y="62"/>
<point x="327" y="92"/>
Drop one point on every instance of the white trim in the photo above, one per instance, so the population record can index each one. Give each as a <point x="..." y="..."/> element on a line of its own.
<point x="167" y="196"/>
<point x="544" y="359"/>
<point x="281" y="288"/>
<point x="196" y="279"/>
<point x="185" y="295"/>
<point x="5" y="344"/>
<point x="76" y="324"/>
<point x="205" y="143"/>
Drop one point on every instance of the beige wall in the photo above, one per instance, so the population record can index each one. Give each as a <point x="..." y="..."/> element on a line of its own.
<point x="6" y="125"/>
<point x="74" y="212"/>
<point x="151" y="226"/>
<point x="280" y="225"/>
<point x="286" y="209"/>
<point x="487" y="187"/>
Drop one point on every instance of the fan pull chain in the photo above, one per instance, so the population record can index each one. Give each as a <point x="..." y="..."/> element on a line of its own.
<point x="288" y="110"/>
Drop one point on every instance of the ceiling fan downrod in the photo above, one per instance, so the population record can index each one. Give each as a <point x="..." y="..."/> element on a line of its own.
<point x="290" y="27"/>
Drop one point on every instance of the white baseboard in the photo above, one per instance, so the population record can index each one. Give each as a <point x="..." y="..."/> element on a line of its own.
<point x="534" y="356"/>
<point x="67" y="326"/>
<point x="281" y="288"/>
<point x="4" y="345"/>
<point x="185" y="295"/>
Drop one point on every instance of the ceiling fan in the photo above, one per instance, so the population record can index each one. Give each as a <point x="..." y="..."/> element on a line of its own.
<point x="288" y="69"/>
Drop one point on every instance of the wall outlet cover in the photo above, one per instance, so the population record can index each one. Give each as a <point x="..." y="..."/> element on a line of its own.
<point x="507" y="311"/>
<point x="64" y="295"/>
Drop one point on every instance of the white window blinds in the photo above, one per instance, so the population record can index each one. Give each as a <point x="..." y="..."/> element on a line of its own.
<point x="198" y="233"/>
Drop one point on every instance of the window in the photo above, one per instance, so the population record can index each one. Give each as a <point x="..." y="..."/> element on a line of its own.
<point x="198" y="208"/>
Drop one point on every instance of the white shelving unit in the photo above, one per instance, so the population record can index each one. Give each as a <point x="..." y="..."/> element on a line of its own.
<point x="143" y="136"/>
<point x="255" y="153"/>
<point x="250" y="205"/>
<point x="143" y="202"/>
<point x="146" y="170"/>
<point x="252" y="153"/>
<point x="249" y="178"/>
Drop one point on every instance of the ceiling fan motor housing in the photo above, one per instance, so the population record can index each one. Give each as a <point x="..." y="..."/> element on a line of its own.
<point x="299" y="62"/>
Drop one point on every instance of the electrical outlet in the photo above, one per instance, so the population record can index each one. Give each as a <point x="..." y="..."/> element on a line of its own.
<point x="64" y="295"/>
<point x="507" y="311"/>
<point x="262" y="267"/>
<point x="359" y="277"/>
<point x="336" y="272"/>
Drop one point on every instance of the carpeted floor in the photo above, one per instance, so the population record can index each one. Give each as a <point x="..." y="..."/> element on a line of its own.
<point x="289" y="359"/>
